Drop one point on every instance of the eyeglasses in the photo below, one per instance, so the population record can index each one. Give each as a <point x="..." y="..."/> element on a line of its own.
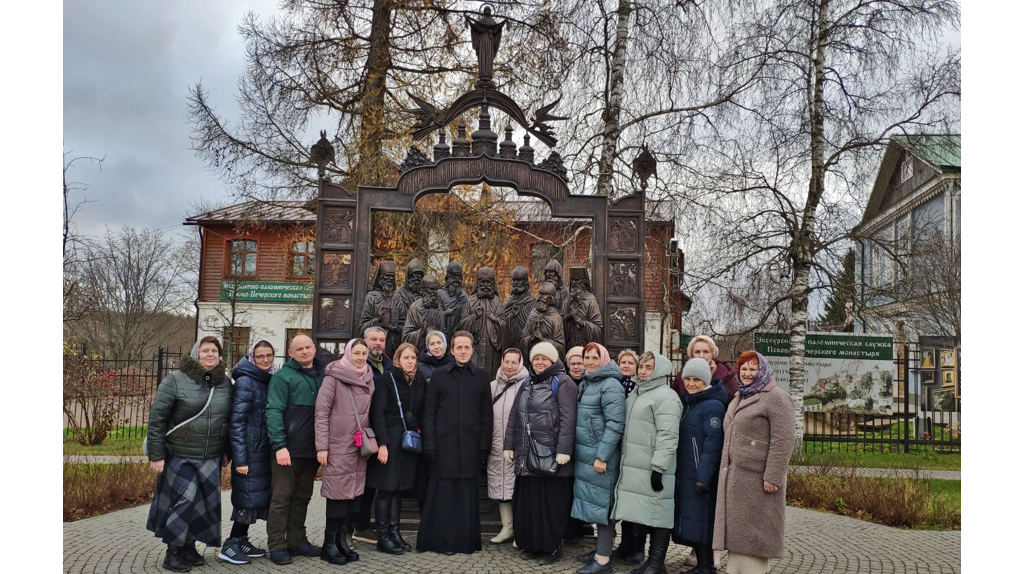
<point x="264" y="357"/>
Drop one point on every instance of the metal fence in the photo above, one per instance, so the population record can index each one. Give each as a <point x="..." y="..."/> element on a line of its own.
<point x="925" y="415"/>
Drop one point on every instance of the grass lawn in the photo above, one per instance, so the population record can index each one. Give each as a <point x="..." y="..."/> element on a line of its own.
<point x="112" y="445"/>
<point x="923" y="461"/>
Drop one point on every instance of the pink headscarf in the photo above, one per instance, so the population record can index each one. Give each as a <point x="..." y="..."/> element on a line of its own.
<point x="605" y="357"/>
<point x="348" y="372"/>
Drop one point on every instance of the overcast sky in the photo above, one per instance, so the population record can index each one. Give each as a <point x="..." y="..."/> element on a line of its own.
<point x="128" y="66"/>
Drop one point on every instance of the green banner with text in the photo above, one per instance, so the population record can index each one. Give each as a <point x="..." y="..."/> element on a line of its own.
<point x="266" y="291"/>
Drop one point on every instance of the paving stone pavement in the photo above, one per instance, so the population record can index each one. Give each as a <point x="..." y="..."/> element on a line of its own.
<point x="816" y="543"/>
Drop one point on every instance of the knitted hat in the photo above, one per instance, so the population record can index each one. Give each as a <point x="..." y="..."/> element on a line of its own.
<point x="574" y="352"/>
<point x="546" y="349"/>
<point x="704" y="338"/>
<point x="697" y="368"/>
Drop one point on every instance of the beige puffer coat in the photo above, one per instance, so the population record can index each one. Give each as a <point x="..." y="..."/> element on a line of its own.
<point x="501" y="476"/>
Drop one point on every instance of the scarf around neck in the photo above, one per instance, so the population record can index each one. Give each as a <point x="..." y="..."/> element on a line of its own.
<point x="764" y="375"/>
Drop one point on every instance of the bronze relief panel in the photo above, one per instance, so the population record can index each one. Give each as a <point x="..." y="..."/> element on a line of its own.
<point x="337" y="271"/>
<point x="622" y="279"/>
<point x="338" y="225"/>
<point x="334" y="315"/>
<point x="623" y="235"/>
<point x="622" y="321"/>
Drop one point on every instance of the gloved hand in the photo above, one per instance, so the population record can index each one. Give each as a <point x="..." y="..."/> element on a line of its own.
<point x="510" y="456"/>
<point x="656" y="481"/>
<point x="561" y="458"/>
<point x="431" y="456"/>
<point x="701" y="488"/>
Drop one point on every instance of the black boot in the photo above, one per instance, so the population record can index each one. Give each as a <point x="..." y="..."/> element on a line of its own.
<point x="705" y="559"/>
<point x="639" y="545"/>
<point x="382" y="510"/>
<point x="625" y="544"/>
<point x="395" y="522"/>
<point x="174" y="561"/>
<point x="329" y="551"/>
<point x="341" y="540"/>
<point x="659" y="548"/>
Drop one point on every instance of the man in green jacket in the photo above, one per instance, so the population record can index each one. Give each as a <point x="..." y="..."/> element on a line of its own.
<point x="291" y="402"/>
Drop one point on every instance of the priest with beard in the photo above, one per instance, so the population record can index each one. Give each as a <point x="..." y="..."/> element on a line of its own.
<point x="581" y="314"/>
<point x="482" y="317"/>
<point x="384" y="307"/>
<point x="553" y="274"/>
<point x="544" y="322"/>
<point x="412" y="289"/>
<point x="453" y="298"/>
<point x="517" y="308"/>
<point x="425" y="315"/>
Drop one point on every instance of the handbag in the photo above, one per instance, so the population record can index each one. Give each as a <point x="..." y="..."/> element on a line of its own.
<point x="540" y="458"/>
<point x="411" y="439"/>
<point x="145" y="439"/>
<point x="366" y="440"/>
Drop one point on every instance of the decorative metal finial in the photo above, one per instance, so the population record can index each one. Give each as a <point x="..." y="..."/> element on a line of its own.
<point x="644" y="166"/>
<point x="321" y="154"/>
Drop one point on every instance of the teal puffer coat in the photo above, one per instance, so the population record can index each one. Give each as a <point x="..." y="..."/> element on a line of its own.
<point x="600" y="418"/>
<point x="179" y="397"/>
<point x="649" y="444"/>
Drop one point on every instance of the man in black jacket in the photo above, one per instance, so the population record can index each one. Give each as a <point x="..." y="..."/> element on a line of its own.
<point x="457" y="419"/>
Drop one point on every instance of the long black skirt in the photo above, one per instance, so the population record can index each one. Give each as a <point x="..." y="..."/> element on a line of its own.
<point x="541" y="508"/>
<point x="451" y="517"/>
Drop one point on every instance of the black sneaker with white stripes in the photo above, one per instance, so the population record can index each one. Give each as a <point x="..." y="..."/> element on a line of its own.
<point x="232" y="552"/>
<point x="250" y="550"/>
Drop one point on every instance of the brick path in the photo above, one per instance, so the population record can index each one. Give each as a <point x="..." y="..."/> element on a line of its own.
<point x="815" y="543"/>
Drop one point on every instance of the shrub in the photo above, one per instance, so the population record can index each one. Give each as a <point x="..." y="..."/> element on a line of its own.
<point x="89" y="397"/>
<point x="91" y="489"/>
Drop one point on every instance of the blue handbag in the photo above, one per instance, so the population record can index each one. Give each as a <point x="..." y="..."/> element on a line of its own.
<point x="411" y="439"/>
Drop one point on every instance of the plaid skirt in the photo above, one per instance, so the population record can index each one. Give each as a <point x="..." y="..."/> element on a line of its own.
<point x="186" y="505"/>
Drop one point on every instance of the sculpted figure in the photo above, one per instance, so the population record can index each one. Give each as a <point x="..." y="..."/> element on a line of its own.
<point x="482" y="317"/>
<point x="580" y="312"/>
<point x="425" y="315"/>
<point x="453" y="298"/>
<point x="413" y="287"/>
<point x="544" y="322"/>
<point x="384" y="307"/>
<point x="553" y="274"/>
<point x="517" y="308"/>
<point x="486" y="35"/>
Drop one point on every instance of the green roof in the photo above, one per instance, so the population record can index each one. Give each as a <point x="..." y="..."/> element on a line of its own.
<point x="940" y="150"/>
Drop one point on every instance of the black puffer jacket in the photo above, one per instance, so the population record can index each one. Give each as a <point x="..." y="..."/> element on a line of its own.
<point x="552" y="417"/>
<point x="427" y="363"/>
<point x="248" y="434"/>
<point x="179" y="397"/>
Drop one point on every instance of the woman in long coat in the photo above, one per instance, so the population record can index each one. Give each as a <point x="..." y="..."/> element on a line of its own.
<point x="546" y="406"/>
<point x="393" y="470"/>
<point x="342" y="407"/>
<point x="186" y="505"/>
<point x="645" y="490"/>
<point x="600" y="419"/>
<point x="700" y="453"/>
<point x="501" y="476"/>
<point x="760" y="433"/>
<point x="250" y="451"/>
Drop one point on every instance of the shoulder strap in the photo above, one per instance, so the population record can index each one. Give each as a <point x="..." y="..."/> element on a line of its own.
<point x="554" y="386"/>
<point x="355" y="411"/>
<point x="400" y="412"/>
<point x="201" y="411"/>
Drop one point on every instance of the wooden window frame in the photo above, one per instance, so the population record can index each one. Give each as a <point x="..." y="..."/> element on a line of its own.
<point x="309" y="255"/>
<point x="230" y="256"/>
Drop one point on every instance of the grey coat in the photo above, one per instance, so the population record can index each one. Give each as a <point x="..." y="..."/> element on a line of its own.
<point x="760" y="433"/>
<point x="552" y="418"/>
<point x="600" y="419"/>
<point x="649" y="444"/>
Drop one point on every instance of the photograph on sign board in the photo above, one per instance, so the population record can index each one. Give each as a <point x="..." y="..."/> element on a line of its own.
<point x="928" y="377"/>
<point x="927" y="358"/>
<point x="948" y="378"/>
<point x="947" y="358"/>
<point x="942" y="400"/>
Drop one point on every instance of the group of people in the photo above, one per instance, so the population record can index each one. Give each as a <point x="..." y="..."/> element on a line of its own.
<point x="565" y="440"/>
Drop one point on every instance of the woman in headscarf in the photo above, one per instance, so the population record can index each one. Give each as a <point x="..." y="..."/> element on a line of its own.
<point x="398" y="392"/>
<point x="760" y="433"/>
<point x="435" y="355"/>
<point x="501" y="476"/>
<point x="644" y="493"/>
<point x="187" y="442"/>
<point x="250" y="451"/>
<point x="697" y="461"/>
<point x="342" y="408"/>
<point x="543" y="420"/>
<point x="600" y="418"/>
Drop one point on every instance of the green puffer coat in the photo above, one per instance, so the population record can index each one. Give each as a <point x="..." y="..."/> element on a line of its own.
<point x="181" y="395"/>
<point x="600" y="417"/>
<point x="649" y="444"/>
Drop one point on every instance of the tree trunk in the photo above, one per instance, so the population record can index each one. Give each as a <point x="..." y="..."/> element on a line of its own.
<point x="373" y="165"/>
<point x="613" y="102"/>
